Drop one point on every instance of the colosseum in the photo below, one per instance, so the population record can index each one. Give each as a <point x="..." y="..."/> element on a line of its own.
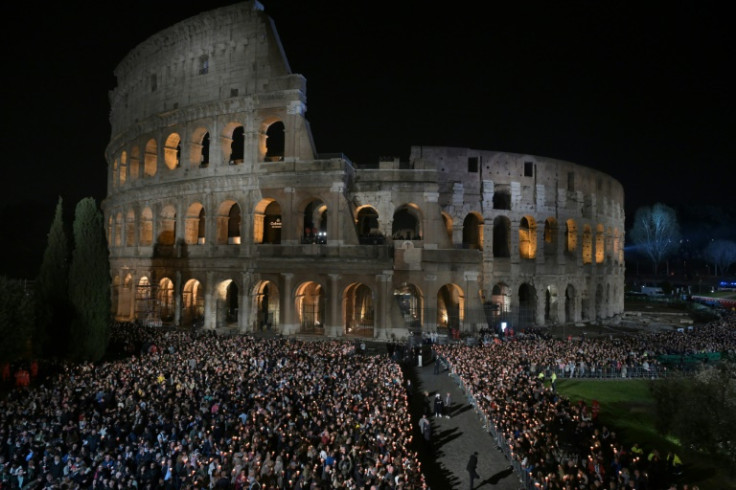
<point x="222" y="215"/>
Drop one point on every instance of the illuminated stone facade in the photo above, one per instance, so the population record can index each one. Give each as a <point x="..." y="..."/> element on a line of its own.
<point x="220" y="213"/>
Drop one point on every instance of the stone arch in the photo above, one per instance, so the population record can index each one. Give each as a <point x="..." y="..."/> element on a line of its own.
<point x="411" y="305"/>
<point x="367" y="226"/>
<point x="172" y="151"/>
<point x="199" y="153"/>
<point x="527" y="306"/>
<point x="130" y="222"/>
<point x="448" y="222"/>
<point x="310" y="307"/>
<point x="600" y="244"/>
<point x="450" y="307"/>
<point x="358" y="310"/>
<point x="571" y="233"/>
<point x="275" y="141"/>
<point x="228" y="223"/>
<point x="145" y="302"/>
<point x="587" y="245"/>
<point x="227" y="303"/>
<point x="123" y="167"/>
<point x="145" y="231"/>
<point x="527" y="238"/>
<point x="167" y="226"/>
<point x="135" y="163"/>
<point x="473" y="231"/>
<point x="150" y="159"/>
<point x="165" y="301"/>
<point x="195" y="225"/>
<point x="550" y="237"/>
<point x="237" y="144"/>
<point x="501" y="237"/>
<point x="192" y="302"/>
<point x="570" y="309"/>
<point x="550" y="304"/>
<point x="265" y="311"/>
<point x="498" y="308"/>
<point x="407" y="223"/>
<point x="314" y="223"/>
<point x="267" y="222"/>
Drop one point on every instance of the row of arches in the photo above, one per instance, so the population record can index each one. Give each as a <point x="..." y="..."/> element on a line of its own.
<point x="152" y="157"/>
<point x="262" y="306"/>
<point x="310" y="225"/>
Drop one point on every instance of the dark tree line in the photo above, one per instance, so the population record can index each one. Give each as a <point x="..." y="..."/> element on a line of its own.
<point x="66" y="314"/>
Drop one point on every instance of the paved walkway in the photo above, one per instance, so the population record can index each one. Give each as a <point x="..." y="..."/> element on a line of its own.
<point x="454" y="439"/>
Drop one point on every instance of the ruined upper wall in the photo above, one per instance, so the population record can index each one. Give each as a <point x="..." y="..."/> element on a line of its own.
<point x="228" y="53"/>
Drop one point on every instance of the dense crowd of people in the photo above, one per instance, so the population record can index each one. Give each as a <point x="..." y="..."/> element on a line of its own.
<point x="559" y="444"/>
<point x="210" y="411"/>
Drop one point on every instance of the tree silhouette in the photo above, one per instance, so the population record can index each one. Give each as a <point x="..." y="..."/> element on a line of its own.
<point x="655" y="232"/>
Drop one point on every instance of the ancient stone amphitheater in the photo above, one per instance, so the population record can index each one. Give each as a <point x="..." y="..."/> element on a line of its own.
<point x="221" y="215"/>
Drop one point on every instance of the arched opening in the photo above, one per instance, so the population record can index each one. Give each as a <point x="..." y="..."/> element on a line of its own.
<point x="448" y="222"/>
<point x="227" y="305"/>
<point x="237" y="146"/>
<point x="410" y="303"/>
<point x="194" y="227"/>
<point x="123" y="167"/>
<point x="275" y="139"/>
<point x="145" y="302"/>
<point x="569" y="304"/>
<point x="473" y="231"/>
<point x="550" y="305"/>
<point x="406" y="223"/>
<point x="150" y="159"/>
<point x="165" y="300"/>
<point x="266" y="314"/>
<point x="118" y="233"/>
<point x="498" y="308"/>
<point x="368" y="230"/>
<point x="172" y="151"/>
<point x="501" y="237"/>
<point x="600" y="246"/>
<point x="501" y="198"/>
<point x="572" y="237"/>
<point x="228" y="223"/>
<point x="146" y="227"/>
<point x="550" y="237"/>
<point x="192" y="304"/>
<point x="130" y="228"/>
<point x="315" y="223"/>
<point x="310" y="307"/>
<point x="135" y="163"/>
<point x="358" y="314"/>
<point x="167" y="228"/>
<point x="527" y="306"/>
<point x="205" y="154"/>
<point x="450" y="308"/>
<point x="527" y="238"/>
<point x="587" y="245"/>
<point x="267" y="222"/>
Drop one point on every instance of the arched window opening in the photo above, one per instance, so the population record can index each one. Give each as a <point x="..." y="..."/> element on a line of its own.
<point x="237" y="146"/>
<point x="227" y="303"/>
<point x="145" y="301"/>
<point x="448" y="222"/>
<point x="473" y="232"/>
<point x="550" y="237"/>
<point x="150" y="164"/>
<point x="600" y="245"/>
<point x="194" y="225"/>
<point x="135" y="162"/>
<point x="550" y="305"/>
<point x="165" y="297"/>
<point x="266" y="314"/>
<point x="118" y="233"/>
<point x="310" y="307"/>
<point x="146" y="227"/>
<point x="205" y="156"/>
<point x="501" y="237"/>
<point x="406" y="224"/>
<point x="123" y="167"/>
<point x="130" y="228"/>
<point x="369" y="232"/>
<point x="172" y="151"/>
<point x="572" y="237"/>
<point x="275" y="142"/>
<point x="587" y="245"/>
<point x="193" y="304"/>
<point x="527" y="306"/>
<point x="450" y="308"/>
<point x="315" y="223"/>
<point x="167" y="232"/>
<point x="358" y="311"/>
<point x="267" y="222"/>
<point x="527" y="238"/>
<point x="228" y="223"/>
<point x="569" y="304"/>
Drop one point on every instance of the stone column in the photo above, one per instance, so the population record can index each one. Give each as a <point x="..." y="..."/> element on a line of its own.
<point x="473" y="302"/>
<point x="334" y="327"/>
<point x="245" y="303"/>
<point x="210" y="307"/>
<point x="177" y="298"/>
<point x="286" y="306"/>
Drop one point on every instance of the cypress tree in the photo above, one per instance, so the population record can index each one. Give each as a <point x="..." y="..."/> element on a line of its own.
<point x="52" y="297"/>
<point x="89" y="284"/>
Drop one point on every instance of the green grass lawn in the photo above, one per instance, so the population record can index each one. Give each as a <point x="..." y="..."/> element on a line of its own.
<point x="627" y="408"/>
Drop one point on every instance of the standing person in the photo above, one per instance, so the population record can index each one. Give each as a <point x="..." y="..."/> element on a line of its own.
<point x="448" y="402"/>
<point x="438" y="405"/>
<point x="425" y="427"/>
<point x="472" y="465"/>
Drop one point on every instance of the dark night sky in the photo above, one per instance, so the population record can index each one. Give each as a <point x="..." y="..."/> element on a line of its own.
<point x="640" y="90"/>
